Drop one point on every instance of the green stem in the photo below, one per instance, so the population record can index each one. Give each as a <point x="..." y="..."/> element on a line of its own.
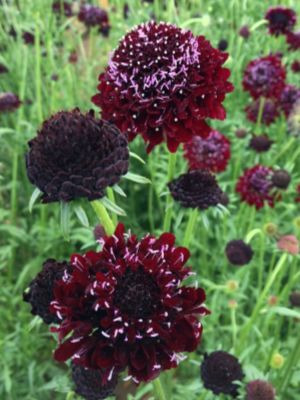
<point x="190" y="227"/>
<point x="284" y="149"/>
<point x="158" y="390"/>
<point x="169" y="203"/>
<point x="292" y="361"/>
<point x="251" y="322"/>
<point x="111" y="196"/>
<point x="260" y="114"/>
<point x="103" y="216"/>
<point x="234" y="327"/>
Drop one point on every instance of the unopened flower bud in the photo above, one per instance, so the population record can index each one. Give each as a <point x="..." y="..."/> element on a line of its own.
<point x="277" y="361"/>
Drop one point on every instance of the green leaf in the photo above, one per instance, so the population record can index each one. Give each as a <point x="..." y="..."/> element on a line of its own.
<point x="286" y="312"/>
<point x="137" y="157"/>
<point x="137" y="178"/>
<point x="65" y="219"/>
<point x="112" y="206"/>
<point x="81" y="215"/>
<point x="35" y="195"/>
<point x="119" y="190"/>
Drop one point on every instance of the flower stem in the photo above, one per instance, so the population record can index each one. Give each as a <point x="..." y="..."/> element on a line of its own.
<point x="251" y="321"/>
<point x="292" y="361"/>
<point x="169" y="203"/>
<point x="158" y="390"/>
<point x="111" y="196"/>
<point x="260" y="113"/>
<point x="103" y="216"/>
<point x="190" y="227"/>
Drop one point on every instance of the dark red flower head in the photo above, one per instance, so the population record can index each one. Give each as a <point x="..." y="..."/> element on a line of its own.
<point x="60" y="7"/>
<point x="260" y="143"/>
<point x="293" y="40"/>
<point x="196" y="189"/>
<point x="238" y="252"/>
<point x="212" y="152"/>
<point x="281" y="20"/>
<point x="88" y="383"/>
<point x="94" y="16"/>
<point x="244" y="32"/>
<point x="9" y="101"/>
<point x="288" y="98"/>
<point x="126" y="307"/>
<point x="75" y="155"/>
<point x="163" y="82"/>
<point x="255" y="186"/>
<point x="295" y="67"/>
<point x="264" y="76"/>
<point x="40" y="292"/>
<point x="260" y="390"/>
<point x="219" y="371"/>
<point x="28" y="37"/>
<point x="269" y="114"/>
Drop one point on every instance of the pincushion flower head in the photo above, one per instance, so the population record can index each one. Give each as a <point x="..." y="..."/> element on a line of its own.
<point x="9" y="101"/>
<point x="255" y="186"/>
<point x="281" y="20"/>
<point x="269" y="114"/>
<point x="260" y="390"/>
<point x="212" y="152"/>
<point x="293" y="40"/>
<point x="196" y="189"/>
<point x="126" y="307"/>
<point x="92" y="16"/>
<point x="289" y="96"/>
<point x="76" y="155"/>
<point x="163" y="82"/>
<point x="264" y="76"/>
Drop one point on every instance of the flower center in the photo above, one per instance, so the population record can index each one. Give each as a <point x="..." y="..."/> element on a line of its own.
<point x="260" y="182"/>
<point x="137" y="294"/>
<point x="280" y="18"/>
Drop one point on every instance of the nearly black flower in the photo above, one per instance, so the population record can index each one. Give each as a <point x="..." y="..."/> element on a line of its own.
<point x="260" y="390"/>
<point x="196" y="189"/>
<point x="295" y="67"/>
<point x="281" y="178"/>
<point x="295" y="298"/>
<point x="89" y="385"/>
<point x="260" y="143"/>
<point x="244" y="32"/>
<point x="223" y="44"/>
<point x="163" y="82"/>
<point x="40" y="292"/>
<point x="3" y="68"/>
<point x="9" y="101"/>
<point x="218" y="372"/>
<point x="281" y="20"/>
<point x="126" y="307"/>
<point x="238" y="252"/>
<point x="76" y="155"/>
<point x="92" y="16"/>
<point x="264" y="76"/>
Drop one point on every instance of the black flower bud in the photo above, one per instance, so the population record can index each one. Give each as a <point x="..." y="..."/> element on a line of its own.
<point x="238" y="252"/>
<point x="281" y="179"/>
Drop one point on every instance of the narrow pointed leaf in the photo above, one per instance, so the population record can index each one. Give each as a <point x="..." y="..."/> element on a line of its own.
<point x="137" y="178"/>
<point x="137" y="157"/>
<point x="65" y="219"/>
<point x="35" y="195"/>
<point x="112" y="207"/>
<point x="81" y="215"/>
<point x="119" y="190"/>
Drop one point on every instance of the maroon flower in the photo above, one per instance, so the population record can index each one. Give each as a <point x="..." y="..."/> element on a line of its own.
<point x="293" y="40"/>
<point x="241" y="133"/>
<point x="255" y="186"/>
<point x="260" y="143"/>
<point x="260" y="390"/>
<point x="65" y="8"/>
<point x="244" y="32"/>
<point x="125" y="306"/>
<point x="76" y="155"/>
<point x="9" y="102"/>
<point x="212" y="152"/>
<point x="88" y="383"/>
<point x="281" y="20"/>
<point x="40" y="292"/>
<point x="219" y="371"/>
<point x="94" y="16"/>
<point x="196" y="189"/>
<point x="28" y="37"/>
<point x="264" y="77"/>
<point x="269" y="114"/>
<point x="288" y="98"/>
<point x="238" y="252"/>
<point x="295" y="67"/>
<point x="163" y="82"/>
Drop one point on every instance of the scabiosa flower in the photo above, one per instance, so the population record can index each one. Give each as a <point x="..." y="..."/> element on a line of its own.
<point x="260" y="143"/>
<point x="264" y="76"/>
<point x="281" y="178"/>
<point x="288" y="97"/>
<point x="163" y="82"/>
<point x="65" y="8"/>
<point x="269" y="114"/>
<point x="255" y="186"/>
<point x="94" y="16"/>
<point x="260" y="390"/>
<point x="244" y="32"/>
<point x="212" y="152"/>
<point x="218" y="372"/>
<point x="40" y="292"/>
<point x="295" y="67"/>
<point x="238" y="252"/>
<point x="295" y="299"/>
<point x="196" y="189"/>
<point x="281" y="20"/>
<point x="241" y="133"/>
<point x="88" y="383"/>
<point x="75" y="155"/>
<point x="223" y="44"/>
<point x="288" y="243"/>
<point x="9" y="102"/>
<point x="28" y="37"/>
<point x="126" y="307"/>
<point x="293" y="40"/>
<point x="3" y="68"/>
